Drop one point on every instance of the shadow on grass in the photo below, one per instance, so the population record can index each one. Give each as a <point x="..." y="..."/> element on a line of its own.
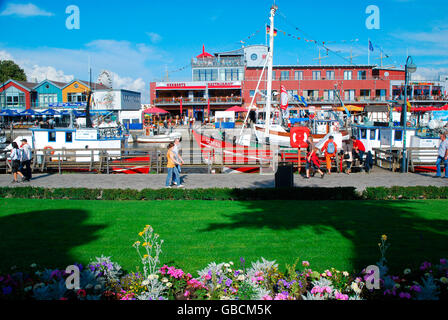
<point x="414" y="237"/>
<point x="44" y="237"/>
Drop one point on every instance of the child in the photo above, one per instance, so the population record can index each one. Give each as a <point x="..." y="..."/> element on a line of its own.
<point x="312" y="161"/>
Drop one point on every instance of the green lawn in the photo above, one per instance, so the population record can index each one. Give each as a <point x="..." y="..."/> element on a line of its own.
<point x="341" y="234"/>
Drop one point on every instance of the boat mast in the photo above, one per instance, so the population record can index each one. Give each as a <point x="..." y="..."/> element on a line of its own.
<point x="270" y="62"/>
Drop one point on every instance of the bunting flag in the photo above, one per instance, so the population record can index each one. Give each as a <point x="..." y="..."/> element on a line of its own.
<point x="268" y="30"/>
<point x="181" y="106"/>
<point x="408" y="104"/>
<point x="301" y="100"/>
<point x="371" y="46"/>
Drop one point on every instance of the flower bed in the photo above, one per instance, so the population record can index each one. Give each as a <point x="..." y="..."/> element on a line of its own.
<point x="103" y="279"/>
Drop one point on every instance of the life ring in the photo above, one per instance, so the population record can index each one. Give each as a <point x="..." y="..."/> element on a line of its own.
<point x="49" y="148"/>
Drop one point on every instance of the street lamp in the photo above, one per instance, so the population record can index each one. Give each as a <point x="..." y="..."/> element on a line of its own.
<point x="410" y="67"/>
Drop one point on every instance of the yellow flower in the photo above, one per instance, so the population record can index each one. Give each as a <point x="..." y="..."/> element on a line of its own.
<point x="144" y="244"/>
<point x="140" y="234"/>
<point x="384" y="237"/>
<point x="145" y="256"/>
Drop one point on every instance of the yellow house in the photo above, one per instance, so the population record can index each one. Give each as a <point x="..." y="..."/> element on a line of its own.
<point x="77" y="91"/>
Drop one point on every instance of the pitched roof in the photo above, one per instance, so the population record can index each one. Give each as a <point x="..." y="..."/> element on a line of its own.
<point x="29" y="86"/>
<point x="95" y="86"/>
<point x="60" y="85"/>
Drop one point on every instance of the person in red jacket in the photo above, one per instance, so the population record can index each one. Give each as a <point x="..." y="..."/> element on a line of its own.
<point x="312" y="161"/>
<point x="358" y="152"/>
<point x="330" y="149"/>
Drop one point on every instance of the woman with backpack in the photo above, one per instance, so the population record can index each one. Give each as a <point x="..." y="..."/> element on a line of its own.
<point x="330" y="149"/>
<point x="16" y="158"/>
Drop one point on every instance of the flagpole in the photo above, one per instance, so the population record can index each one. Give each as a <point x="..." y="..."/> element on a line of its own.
<point x="368" y="52"/>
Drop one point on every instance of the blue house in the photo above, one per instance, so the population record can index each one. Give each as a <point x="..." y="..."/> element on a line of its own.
<point x="48" y="92"/>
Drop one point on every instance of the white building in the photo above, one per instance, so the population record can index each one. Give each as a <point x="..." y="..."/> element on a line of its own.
<point x="124" y="104"/>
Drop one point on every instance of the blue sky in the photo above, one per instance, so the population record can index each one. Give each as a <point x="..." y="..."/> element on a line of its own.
<point x="139" y="40"/>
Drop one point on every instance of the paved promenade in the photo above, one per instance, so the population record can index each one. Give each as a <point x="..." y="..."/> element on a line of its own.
<point x="358" y="180"/>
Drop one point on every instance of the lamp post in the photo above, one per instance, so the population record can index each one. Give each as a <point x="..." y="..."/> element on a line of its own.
<point x="410" y="67"/>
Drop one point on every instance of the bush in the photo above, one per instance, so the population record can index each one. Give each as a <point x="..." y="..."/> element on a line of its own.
<point x="305" y="193"/>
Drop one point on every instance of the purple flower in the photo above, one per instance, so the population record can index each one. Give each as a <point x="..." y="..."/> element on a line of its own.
<point x="404" y="295"/>
<point x="228" y="282"/>
<point x="416" y="288"/>
<point x="442" y="261"/>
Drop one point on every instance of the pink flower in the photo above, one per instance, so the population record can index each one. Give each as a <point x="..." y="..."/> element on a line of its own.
<point x="267" y="297"/>
<point x="305" y="263"/>
<point x="187" y="293"/>
<point x="340" y="296"/>
<point x="328" y="273"/>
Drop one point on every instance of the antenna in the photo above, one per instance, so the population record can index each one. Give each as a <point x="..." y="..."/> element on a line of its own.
<point x="351" y="55"/>
<point x="320" y="58"/>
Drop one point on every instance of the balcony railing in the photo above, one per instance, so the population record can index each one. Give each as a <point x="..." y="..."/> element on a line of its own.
<point x="216" y="63"/>
<point x="327" y="100"/>
<point x="195" y="101"/>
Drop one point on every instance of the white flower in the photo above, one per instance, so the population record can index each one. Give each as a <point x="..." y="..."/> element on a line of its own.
<point x="169" y="284"/>
<point x="153" y="276"/>
<point x="355" y="288"/>
<point x="226" y="265"/>
<point x="98" y="287"/>
<point x="345" y="274"/>
<point x="225" y="298"/>
<point x="33" y="265"/>
<point x="407" y="271"/>
<point x="241" y="277"/>
<point x="145" y="283"/>
<point x="231" y="263"/>
<point x="164" y="280"/>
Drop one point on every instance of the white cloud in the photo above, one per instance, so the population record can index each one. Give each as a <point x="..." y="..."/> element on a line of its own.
<point x="24" y="11"/>
<point x="155" y="37"/>
<point x="425" y="73"/>
<point x="131" y="84"/>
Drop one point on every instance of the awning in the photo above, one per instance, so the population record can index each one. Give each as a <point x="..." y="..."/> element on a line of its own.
<point x="155" y="110"/>
<point x="49" y="112"/>
<point x="9" y="113"/>
<point x="237" y="109"/>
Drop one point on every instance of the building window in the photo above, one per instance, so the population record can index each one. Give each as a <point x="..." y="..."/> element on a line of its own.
<point x="52" y="136"/>
<point x="349" y="95"/>
<point x="298" y="75"/>
<point x="46" y="99"/>
<point x="284" y="75"/>
<point x="232" y="75"/>
<point x="330" y="75"/>
<point x="365" y="94"/>
<point x="252" y="93"/>
<point x="69" y="137"/>
<point x="362" y="75"/>
<point x="316" y="75"/>
<point x="292" y="93"/>
<point x="363" y="133"/>
<point x="205" y="75"/>
<point x="14" y="98"/>
<point x="372" y="134"/>
<point x="329" y="95"/>
<point x="273" y="75"/>
<point x="76" y="97"/>
<point x="398" y="135"/>
<point x="348" y="75"/>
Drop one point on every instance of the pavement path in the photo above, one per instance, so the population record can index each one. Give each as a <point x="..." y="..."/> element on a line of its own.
<point x="152" y="181"/>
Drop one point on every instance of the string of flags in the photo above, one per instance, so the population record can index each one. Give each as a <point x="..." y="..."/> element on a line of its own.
<point x="249" y="37"/>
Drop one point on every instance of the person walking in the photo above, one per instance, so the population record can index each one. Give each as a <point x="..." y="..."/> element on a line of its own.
<point x="171" y="166"/>
<point x="16" y="156"/>
<point x="330" y="149"/>
<point x="177" y="154"/>
<point x="312" y="161"/>
<point x="25" y="165"/>
<point x="442" y="156"/>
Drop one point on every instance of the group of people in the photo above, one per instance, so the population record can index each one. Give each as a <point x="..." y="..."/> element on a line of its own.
<point x="21" y="161"/>
<point x="330" y="151"/>
<point x="174" y="165"/>
<point x="442" y="156"/>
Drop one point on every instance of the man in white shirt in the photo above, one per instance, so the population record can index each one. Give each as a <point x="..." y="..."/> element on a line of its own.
<point x="442" y="156"/>
<point x="25" y="164"/>
<point x="177" y="151"/>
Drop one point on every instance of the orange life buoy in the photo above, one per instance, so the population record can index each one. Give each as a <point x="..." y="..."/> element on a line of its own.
<point x="49" y="148"/>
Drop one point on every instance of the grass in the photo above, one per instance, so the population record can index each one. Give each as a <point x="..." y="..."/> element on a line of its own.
<point x="340" y="234"/>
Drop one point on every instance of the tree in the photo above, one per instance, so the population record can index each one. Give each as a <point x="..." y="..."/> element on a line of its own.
<point x="10" y="70"/>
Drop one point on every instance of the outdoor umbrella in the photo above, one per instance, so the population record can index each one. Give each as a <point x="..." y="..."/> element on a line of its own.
<point x="155" y="110"/>
<point x="29" y="112"/>
<point x="8" y="113"/>
<point x="49" y="112"/>
<point x="237" y="109"/>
